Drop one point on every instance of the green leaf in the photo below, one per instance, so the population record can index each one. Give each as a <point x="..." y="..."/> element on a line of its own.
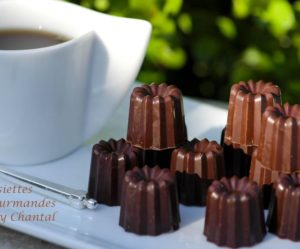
<point x="161" y="53"/>
<point x="241" y="8"/>
<point x="163" y="24"/>
<point x="226" y="27"/>
<point x="296" y="40"/>
<point x="86" y="3"/>
<point x="149" y="76"/>
<point x="185" y="23"/>
<point x="297" y="6"/>
<point x="144" y="6"/>
<point x="257" y="59"/>
<point x="280" y="17"/>
<point x="278" y="57"/>
<point x="172" y="6"/>
<point x="101" y="5"/>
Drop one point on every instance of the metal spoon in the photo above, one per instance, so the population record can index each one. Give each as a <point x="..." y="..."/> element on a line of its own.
<point x="72" y="197"/>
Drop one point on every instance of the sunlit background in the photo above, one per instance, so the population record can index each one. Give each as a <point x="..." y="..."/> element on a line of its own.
<point x="204" y="46"/>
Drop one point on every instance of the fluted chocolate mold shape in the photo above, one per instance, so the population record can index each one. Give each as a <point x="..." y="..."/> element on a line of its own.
<point x="261" y="174"/>
<point x="279" y="146"/>
<point x="234" y="214"/>
<point x="264" y="177"/>
<point x="156" y="117"/>
<point x="284" y="213"/>
<point x="247" y="102"/>
<point x="197" y="164"/>
<point x="110" y="160"/>
<point x="149" y="203"/>
<point x="201" y="157"/>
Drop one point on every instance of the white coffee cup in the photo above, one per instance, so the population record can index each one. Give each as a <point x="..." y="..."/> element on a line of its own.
<point x="54" y="98"/>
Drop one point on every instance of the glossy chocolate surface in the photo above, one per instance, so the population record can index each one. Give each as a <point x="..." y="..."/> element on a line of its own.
<point x="246" y="104"/>
<point x="197" y="164"/>
<point x="156" y="117"/>
<point x="284" y="212"/>
<point x="201" y="157"/>
<point x="261" y="174"/>
<point x="234" y="214"/>
<point x="279" y="146"/>
<point x="149" y="204"/>
<point x="110" y="160"/>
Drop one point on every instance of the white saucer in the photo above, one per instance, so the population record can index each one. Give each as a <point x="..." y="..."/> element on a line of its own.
<point x="89" y="229"/>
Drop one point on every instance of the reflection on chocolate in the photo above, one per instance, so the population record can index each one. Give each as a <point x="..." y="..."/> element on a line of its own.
<point x="156" y="117"/>
<point x="246" y="104"/>
<point x="197" y="164"/>
<point x="234" y="214"/>
<point x="149" y="204"/>
<point x="110" y="161"/>
<point x="261" y="174"/>
<point x="201" y="157"/>
<point x="284" y="213"/>
<point x="279" y="146"/>
<point x="278" y="150"/>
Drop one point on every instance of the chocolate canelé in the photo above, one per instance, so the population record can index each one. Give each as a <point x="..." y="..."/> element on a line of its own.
<point x="156" y="122"/>
<point x="279" y="147"/>
<point x="280" y="142"/>
<point x="156" y="117"/>
<point x="149" y="204"/>
<point x="247" y="102"/>
<point x="234" y="214"/>
<point x="196" y="164"/>
<point x="110" y="160"/>
<point x="284" y="213"/>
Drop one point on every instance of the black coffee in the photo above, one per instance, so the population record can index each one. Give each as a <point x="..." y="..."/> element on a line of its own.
<point x="28" y="39"/>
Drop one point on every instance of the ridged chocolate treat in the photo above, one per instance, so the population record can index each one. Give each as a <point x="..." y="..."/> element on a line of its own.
<point x="156" y="117"/>
<point x="197" y="164"/>
<point x="149" y="203"/>
<point x="234" y="214"/>
<point x="284" y="213"/>
<point x="261" y="174"/>
<point x="110" y="161"/>
<point x="264" y="177"/>
<point x="242" y="132"/>
<point x="246" y="104"/>
<point x="279" y="146"/>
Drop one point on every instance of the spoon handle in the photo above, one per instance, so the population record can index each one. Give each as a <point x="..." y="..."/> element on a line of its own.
<point x="72" y="197"/>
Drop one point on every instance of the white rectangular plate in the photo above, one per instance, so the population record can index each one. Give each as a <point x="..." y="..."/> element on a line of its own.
<point x="89" y="229"/>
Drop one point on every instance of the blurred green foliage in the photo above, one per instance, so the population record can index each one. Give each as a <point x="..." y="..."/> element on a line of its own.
<point x="205" y="46"/>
